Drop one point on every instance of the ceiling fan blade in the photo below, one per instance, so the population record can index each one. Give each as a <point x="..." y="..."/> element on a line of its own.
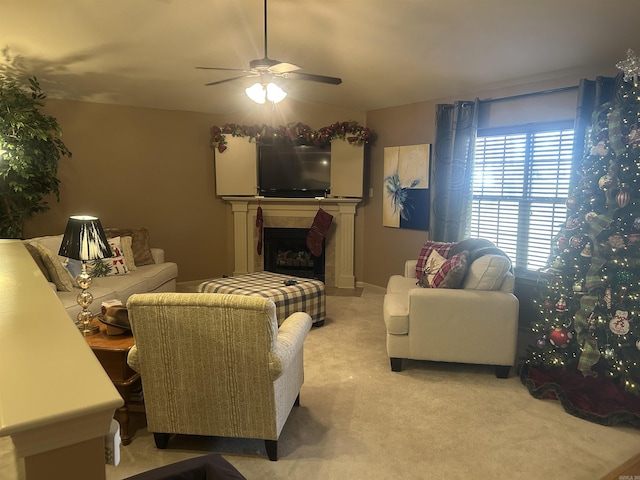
<point x="313" y="78"/>
<point x="227" y="80"/>
<point x="222" y="68"/>
<point x="283" y="67"/>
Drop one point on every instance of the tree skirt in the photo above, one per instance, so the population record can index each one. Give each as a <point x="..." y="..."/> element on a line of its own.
<point x="597" y="399"/>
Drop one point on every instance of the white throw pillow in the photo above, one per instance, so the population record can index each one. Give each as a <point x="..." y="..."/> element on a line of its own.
<point x="117" y="263"/>
<point x="486" y="273"/>
<point x="431" y="268"/>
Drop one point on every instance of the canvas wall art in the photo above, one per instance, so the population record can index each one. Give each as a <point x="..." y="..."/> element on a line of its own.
<point x="406" y="187"/>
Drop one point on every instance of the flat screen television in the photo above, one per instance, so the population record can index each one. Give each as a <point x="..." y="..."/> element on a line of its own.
<point x="298" y="171"/>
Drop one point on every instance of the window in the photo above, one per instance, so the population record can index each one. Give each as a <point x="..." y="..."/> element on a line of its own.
<point x="520" y="186"/>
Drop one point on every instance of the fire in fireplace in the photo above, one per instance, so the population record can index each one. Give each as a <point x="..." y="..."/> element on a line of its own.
<point x="286" y="252"/>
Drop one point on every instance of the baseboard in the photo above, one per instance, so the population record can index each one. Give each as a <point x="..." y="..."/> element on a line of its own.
<point x="371" y="287"/>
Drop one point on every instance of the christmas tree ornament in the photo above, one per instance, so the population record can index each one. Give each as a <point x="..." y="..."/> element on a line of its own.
<point x="606" y="182"/>
<point x="634" y="136"/>
<point x="619" y="324"/>
<point x="561" y="305"/>
<point x="607" y="298"/>
<point x="591" y="216"/>
<point x="560" y="337"/>
<point x="562" y="242"/>
<point x="572" y="223"/>
<point x="571" y="203"/>
<point x="578" y="286"/>
<point x="600" y="149"/>
<point x="556" y="265"/>
<point x="587" y="251"/>
<point x="616" y="241"/>
<point x="608" y="352"/>
<point x="630" y="67"/>
<point x="623" y="197"/>
<point x="577" y="242"/>
<point x="541" y="342"/>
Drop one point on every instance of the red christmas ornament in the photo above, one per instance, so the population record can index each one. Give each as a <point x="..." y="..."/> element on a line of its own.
<point x="560" y="337"/>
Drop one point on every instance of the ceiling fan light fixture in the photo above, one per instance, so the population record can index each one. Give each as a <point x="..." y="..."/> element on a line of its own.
<point x="259" y="93"/>
<point x="256" y="93"/>
<point x="274" y="93"/>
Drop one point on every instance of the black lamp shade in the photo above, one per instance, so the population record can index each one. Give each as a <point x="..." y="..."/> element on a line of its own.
<point x="84" y="239"/>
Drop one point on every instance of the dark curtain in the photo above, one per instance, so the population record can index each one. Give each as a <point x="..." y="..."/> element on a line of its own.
<point x="452" y="169"/>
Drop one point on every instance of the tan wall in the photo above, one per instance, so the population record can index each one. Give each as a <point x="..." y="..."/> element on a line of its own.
<point x="154" y="168"/>
<point x="144" y="167"/>
<point x="386" y="249"/>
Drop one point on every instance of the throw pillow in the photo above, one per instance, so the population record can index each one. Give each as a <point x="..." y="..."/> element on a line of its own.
<point x="127" y="251"/>
<point x="441" y="247"/>
<point x="140" y="243"/>
<point x="57" y="273"/>
<point x="451" y="272"/>
<point x="431" y="268"/>
<point x="35" y="254"/>
<point x="117" y="264"/>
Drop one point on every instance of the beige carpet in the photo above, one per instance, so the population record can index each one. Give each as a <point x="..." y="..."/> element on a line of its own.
<point x="358" y="420"/>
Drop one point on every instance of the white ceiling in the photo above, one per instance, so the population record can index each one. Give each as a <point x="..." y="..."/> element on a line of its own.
<point x="387" y="52"/>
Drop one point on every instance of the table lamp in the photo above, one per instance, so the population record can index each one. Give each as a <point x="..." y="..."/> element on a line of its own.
<point x="84" y="239"/>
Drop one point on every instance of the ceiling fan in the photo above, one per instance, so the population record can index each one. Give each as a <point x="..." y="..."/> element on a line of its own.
<point x="266" y="69"/>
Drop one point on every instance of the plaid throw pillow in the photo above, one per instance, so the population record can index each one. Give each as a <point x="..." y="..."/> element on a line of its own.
<point x="441" y="247"/>
<point x="451" y="272"/>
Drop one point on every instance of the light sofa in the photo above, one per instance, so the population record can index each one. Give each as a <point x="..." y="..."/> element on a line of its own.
<point x="474" y="322"/>
<point x="156" y="275"/>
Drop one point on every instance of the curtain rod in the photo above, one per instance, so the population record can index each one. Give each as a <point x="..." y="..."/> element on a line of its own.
<point x="532" y="94"/>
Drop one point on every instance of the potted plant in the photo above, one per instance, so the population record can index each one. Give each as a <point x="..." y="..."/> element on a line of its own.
<point x="30" y="148"/>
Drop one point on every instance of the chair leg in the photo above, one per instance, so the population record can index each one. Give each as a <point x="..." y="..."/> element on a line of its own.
<point x="396" y="364"/>
<point x="161" y="439"/>
<point x="502" y="371"/>
<point x="272" y="449"/>
<point x="297" y="401"/>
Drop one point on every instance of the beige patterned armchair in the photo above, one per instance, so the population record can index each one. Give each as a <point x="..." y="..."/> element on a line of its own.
<point x="216" y="364"/>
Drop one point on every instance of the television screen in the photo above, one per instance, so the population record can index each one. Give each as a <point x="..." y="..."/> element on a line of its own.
<point x="294" y="170"/>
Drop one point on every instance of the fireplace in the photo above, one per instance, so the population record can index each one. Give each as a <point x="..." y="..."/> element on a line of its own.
<point x="286" y="252"/>
<point x="298" y="213"/>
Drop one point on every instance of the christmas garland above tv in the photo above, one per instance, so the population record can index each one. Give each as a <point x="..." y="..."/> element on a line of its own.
<point x="292" y="133"/>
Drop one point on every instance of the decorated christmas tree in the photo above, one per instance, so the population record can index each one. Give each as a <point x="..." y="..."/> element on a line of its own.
<point x="589" y="303"/>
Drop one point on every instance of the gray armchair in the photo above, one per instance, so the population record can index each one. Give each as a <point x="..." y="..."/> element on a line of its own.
<point x="216" y="364"/>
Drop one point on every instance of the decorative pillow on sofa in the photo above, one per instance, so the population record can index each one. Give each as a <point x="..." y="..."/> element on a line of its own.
<point x="57" y="273"/>
<point x="117" y="264"/>
<point x="441" y="247"/>
<point x="127" y="251"/>
<point x="140" y="243"/>
<point x="431" y="268"/>
<point x="452" y="272"/>
<point x="35" y="254"/>
<point x="443" y="272"/>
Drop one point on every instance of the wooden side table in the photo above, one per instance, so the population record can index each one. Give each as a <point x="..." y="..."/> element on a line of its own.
<point x="112" y="352"/>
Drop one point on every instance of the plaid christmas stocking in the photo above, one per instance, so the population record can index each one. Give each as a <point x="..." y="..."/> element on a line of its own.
<point x="318" y="231"/>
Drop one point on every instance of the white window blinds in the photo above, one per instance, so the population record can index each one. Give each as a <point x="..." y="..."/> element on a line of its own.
<point x="520" y="185"/>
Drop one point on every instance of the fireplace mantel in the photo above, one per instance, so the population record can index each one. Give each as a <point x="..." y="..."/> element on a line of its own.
<point x="296" y="213"/>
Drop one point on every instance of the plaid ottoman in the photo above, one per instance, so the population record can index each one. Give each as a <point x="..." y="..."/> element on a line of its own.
<point x="305" y="295"/>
